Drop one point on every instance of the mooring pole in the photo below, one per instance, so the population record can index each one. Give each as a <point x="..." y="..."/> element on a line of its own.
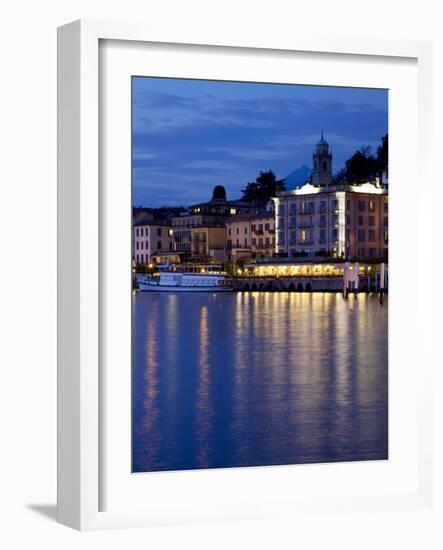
<point x="345" y="280"/>
<point x="382" y="282"/>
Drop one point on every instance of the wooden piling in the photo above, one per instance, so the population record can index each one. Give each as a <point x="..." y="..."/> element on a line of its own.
<point x="382" y="282"/>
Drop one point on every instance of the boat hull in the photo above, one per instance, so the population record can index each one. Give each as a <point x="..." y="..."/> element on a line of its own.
<point x="171" y="288"/>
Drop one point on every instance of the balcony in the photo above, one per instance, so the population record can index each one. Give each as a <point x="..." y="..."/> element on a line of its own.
<point x="306" y="241"/>
<point x="305" y="224"/>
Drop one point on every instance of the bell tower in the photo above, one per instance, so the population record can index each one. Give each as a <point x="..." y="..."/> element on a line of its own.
<point x="321" y="163"/>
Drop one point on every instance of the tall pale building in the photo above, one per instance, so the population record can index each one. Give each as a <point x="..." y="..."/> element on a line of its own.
<point x="341" y="220"/>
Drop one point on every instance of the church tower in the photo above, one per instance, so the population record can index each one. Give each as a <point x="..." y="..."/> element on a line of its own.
<point x="321" y="163"/>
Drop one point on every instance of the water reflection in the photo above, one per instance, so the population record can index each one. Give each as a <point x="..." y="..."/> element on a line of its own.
<point x="203" y="408"/>
<point x="257" y="378"/>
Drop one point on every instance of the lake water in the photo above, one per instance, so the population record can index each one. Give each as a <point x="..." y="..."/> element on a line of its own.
<point x="251" y="378"/>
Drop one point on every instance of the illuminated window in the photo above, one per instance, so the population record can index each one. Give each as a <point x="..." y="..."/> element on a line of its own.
<point x="303" y="235"/>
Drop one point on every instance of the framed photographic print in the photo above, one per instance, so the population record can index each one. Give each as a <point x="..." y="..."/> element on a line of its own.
<point x="232" y="267"/>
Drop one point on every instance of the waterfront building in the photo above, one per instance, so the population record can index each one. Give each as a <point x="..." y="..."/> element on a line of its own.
<point x="263" y="235"/>
<point x="208" y="243"/>
<point x="342" y="220"/>
<point x="149" y="239"/>
<point x="205" y="221"/>
<point x="251" y="235"/>
<point x="238" y="235"/>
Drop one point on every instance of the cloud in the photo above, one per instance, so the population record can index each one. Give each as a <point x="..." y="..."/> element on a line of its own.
<point x="184" y="145"/>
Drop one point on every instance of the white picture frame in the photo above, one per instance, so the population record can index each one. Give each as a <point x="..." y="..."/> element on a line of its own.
<point x="80" y="256"/>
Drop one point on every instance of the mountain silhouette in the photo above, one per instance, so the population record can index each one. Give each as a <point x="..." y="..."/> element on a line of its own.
<point x="297" y="178"/>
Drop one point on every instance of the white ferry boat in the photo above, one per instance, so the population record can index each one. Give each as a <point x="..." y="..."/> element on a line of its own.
<point x="186" y="279"/>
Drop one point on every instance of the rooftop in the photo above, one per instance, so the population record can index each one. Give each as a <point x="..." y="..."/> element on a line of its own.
<point x="371" y="188"/>
<point x="240" y="217"/>
<point x="151" y="223"/>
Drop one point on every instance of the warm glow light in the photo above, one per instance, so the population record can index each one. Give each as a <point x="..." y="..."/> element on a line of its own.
<point x="295" y="270"/>
<point x="307" y="189"/>
<point x="367" y="188"/>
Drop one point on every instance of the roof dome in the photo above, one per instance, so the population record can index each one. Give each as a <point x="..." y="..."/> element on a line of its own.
<point x="219" y="193"/>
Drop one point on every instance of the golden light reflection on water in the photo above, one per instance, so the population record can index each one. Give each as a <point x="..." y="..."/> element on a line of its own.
<point x="262" y="378"/>
<point x="151" y="385"/>
<point x="203" y="409"/>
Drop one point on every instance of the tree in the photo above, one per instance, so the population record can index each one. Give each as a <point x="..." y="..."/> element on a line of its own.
<point x="265" y="186"/>
<point x="382" y="153"/>
<point x="363" y="166"/>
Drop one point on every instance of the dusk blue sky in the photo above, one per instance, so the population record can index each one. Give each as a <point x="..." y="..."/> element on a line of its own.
<point x="190" y="135"/>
